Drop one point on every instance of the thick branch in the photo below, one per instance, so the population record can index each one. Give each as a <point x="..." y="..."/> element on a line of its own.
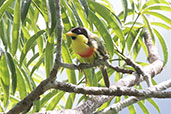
<point x="113" y="91"/>
<point x="131" y="100"/>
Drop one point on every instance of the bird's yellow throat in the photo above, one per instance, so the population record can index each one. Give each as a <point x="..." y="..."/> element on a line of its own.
<point x="80" y="46"/>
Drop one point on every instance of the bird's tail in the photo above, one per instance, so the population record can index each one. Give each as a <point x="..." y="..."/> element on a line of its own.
<point x="105" y="76"/>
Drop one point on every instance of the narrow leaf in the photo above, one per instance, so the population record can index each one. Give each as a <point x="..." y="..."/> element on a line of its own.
<point x="16" y="28"/>
<point x="28" y="45"/>
<point x="159" y="15"/>
<point x="70" y="101"/>
<point x="4" y="7"/>
<point x="103" y="31"/>
<point x="125" y="8"/>
<point x="21" y="87"/>
<point x="67" y="58"/>
<point x="51" y="16"/>
<point x="110" y="18"/>
<point x="164" y="46"/>
<point x="148" y="26"/>
<point x="143" y="107"/>
<point x="24" y="9"/>
<point x="49" y="55"/>
<point x="4" y="79"/>
<point x="55" y="100"/>
<point x="13" y="72"/>
<point x="154" y="104"/>
<point x="151" y="2"/>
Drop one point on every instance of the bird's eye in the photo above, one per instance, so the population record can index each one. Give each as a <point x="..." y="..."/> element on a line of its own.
<point x="73" y="37"/>
<point x="79" y="31"/>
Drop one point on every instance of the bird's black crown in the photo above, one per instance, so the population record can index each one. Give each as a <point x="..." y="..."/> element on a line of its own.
<point x="80" y="30"/>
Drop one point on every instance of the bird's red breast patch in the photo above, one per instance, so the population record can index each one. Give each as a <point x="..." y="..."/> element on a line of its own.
<point x="87" y="53"/>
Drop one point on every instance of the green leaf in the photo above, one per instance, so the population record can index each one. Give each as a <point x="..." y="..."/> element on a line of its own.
<point x="49" y="55"/>
<point x="4" y="7"/>
<point x="78" y="18"/>
<point x="3" y="34"/>
<point x="103" y="32"/>
<point x="110" y="18"/>
<point x="164" y="46"/>
<point x="132" y="109"/>
<point x="141" y="42"/>
<point x="37" y="65"/>
<point x="135" y="40"/>
<point x="67" y="58"/>
<point x="161" y="25"/>
<point x="4" y="79"/>
<point x="161" y="16"/>
<point x="32" y="59"/>
<point x="152" y="2"/>
<point x="91" y="79"/>
<point x="13" y="72"/>
<point x="143" y="107"/>
<point x="154" y="104"/>
<point x="85" y="5"/>
<point x="65" y="19"/>
<point x="28" y="45"/>
<point x="51" y="16"/>
<point x="70" y="101"/>
<point x="158" y="7"/>
<point x="148" y="26"/>
<point x="55" y="100"/>
<point x="24" y="9"/>
<point x="70" y="12"/>
<point x="47" y="97"/>
<point x="21" y="87"/>
<point x="81" y="13"/>
<point x="125" y="8"/>
<point x="16" y="28"/>
<point x="105" y="105"/>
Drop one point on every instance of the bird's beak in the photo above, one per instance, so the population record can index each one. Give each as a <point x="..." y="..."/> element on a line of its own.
<point x="70" y="34"/>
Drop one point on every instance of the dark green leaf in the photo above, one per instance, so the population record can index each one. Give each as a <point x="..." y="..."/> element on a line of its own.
<point x="4" y="7"/>
<point x="24" y="9"/>
<point x="51" y="16"/>
<point x="13" y="72"/>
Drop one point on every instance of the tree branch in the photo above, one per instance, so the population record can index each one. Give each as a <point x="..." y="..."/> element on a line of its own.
<point x="113" y="91"/>
<point x="131" y="100"/>
<point x="95" y="64"/>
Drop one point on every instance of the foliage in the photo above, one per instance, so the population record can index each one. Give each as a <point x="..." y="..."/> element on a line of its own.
<point x="27" y="49"/>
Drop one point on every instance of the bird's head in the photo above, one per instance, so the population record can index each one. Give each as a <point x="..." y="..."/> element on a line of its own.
<point x="75" y="32"/>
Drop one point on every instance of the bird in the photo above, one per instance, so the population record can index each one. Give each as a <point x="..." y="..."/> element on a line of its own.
<point x="89" y="47"/>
